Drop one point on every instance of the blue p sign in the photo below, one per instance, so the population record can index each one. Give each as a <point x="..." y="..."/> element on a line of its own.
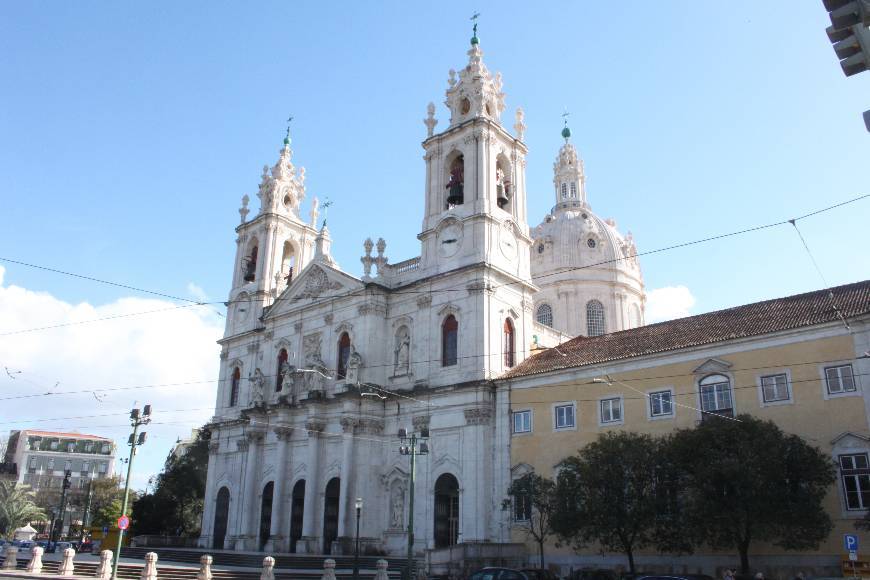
<point x="851" y="542"/>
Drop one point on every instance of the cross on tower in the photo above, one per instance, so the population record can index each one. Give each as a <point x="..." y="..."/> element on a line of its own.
<point x="326" y="210"/>
<point x="474" y="18"/>
<point x="565" y="116"/>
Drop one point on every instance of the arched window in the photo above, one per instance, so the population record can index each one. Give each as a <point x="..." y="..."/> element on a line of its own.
<point x="716" y="396"/>
<point x="503" y="192"/>
<point x="234" y="387"/>
<point x="343" y="355"/>
<point x="456" y="182"/>
<point x="564" y="190"/>
<point x="251" y="265"/>
<point x="279" y="374"/>
<point x="449" y="341"/>
<point x="573" y="190"/>
<point x="288" y="262"/>
<point x="509" y="344"/>
<point x="594" y="318"/>
<point x="544" y="315"/>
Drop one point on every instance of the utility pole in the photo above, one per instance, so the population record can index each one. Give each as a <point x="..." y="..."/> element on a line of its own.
<point x="86" y="516"/>
<point x="58" y="530"/>
<point x="137" y="419"/>
<point x="409" y="447"/>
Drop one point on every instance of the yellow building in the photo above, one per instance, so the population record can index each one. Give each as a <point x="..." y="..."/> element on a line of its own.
<point x="799" y="361"/>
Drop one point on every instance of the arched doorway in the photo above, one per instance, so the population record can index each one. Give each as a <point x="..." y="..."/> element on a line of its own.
<point x="446" y="511"/>
<point x="221" y="515"/>
<point x="297" y="509"/>
<point x="266" y="514"/>
<point x="330" y="514"/>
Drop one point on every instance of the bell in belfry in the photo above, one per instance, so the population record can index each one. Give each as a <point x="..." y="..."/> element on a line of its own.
<point x="454" y="186"/>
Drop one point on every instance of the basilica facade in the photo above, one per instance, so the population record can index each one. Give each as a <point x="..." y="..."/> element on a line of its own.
<point x="321" y="370"/>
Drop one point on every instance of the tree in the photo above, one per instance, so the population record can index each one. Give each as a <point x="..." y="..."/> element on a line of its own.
<point x="616" y="491"/>
<point x="534" y="500"/>
<point x="746" y="480"/>
<point x="16" y="507"/>
<point x="178" y="494"/>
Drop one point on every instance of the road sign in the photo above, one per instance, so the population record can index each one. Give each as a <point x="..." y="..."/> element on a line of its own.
<point x="123" y="523"/>
<point x="853" y="556"/>
<point x="850" y="541"/>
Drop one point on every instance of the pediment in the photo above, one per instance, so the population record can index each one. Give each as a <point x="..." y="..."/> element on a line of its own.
<point x="521" y="469"/>
<point x="847" y="440"/>
<point x="316" y="282"/>
<point x="713" y="365"/>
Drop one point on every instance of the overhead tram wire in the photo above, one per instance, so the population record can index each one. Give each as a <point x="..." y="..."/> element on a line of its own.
<point x="436" y="290"/>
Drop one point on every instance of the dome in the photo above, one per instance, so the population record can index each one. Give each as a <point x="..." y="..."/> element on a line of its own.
<point x="588" y="272"/>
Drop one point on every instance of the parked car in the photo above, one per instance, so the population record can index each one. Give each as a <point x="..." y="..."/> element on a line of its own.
<point x="674" y="577"/>
<point x="539" y="574"/>
<point x="86" y="547"/>
<point x="61" y="546"/>
<point x="493" y="573"/>
<point x="593" y="574"/>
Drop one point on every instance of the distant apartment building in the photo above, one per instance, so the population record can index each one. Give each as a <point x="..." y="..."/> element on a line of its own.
<point x="41" y="458"/>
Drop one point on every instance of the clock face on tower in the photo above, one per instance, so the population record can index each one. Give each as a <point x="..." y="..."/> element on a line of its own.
<point x="449" y="239"/>
<point x="507" y="241"/>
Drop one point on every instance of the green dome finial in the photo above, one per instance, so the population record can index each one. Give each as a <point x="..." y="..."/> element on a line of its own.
<point x="566" y="132"/>
<point x="474" y="39"/>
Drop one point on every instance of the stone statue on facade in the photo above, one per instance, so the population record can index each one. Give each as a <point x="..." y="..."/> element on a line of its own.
<point x="397" y="507"/>
<point x="402" y="352"/>
<point x="354" y="363"/>
<point x="258" y="388"/>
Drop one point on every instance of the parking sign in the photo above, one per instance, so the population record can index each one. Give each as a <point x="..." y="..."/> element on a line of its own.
<point x="850" y="541"/>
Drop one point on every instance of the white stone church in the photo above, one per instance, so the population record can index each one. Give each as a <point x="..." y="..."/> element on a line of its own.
<point x="320" y="369"/>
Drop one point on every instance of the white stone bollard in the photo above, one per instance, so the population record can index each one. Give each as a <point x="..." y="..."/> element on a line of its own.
<point x="268" y="568"/>
<point x="149" y="571"/>
<point x="328" y="569"/>
<point x="204" y="568"/>
<point x="381" y="574"/>
<point x="11" y="560"/>
<point x="35" y="564"/>
<point x="66" y="567"/>
<point x="104" y="570"/>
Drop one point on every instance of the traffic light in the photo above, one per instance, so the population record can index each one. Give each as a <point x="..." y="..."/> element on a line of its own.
<point x="849" y="33"/>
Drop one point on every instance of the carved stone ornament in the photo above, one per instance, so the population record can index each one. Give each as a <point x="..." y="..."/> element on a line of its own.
<point x="297" y="327"/>
<point x="242" y="444"/>
<point x="314" y="427"/>
<point x="311" y="348"/>
<point x="214" y="446"/>
<point x="478" y="416"/>
<point x="328" y="319"/>
<point x="424" y="301"/>
<point x="370" y="426"/>
<point x="348" y="424"/>
<point x="283" y="433"/>
<point x="255" y="436"/>
<point x="421" y="422"/>
<point x="316" y="283"/>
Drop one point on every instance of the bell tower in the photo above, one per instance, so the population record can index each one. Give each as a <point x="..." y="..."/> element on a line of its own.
<point x="475" y="210"/>
<point x="274" y="246"/>
<point x="568" y="176"/>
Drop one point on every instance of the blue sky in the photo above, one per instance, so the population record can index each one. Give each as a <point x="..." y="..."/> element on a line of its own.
<point x="128" y="134"/>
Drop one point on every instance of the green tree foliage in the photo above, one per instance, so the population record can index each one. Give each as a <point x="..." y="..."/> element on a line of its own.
<point x="617" y="491"/>
<point x="747" y="481"/>
<point x="175" y="506"/>
<point x="17" y="507"/>
<point x="534" y="498"/>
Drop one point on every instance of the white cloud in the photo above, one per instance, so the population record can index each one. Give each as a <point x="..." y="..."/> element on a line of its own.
<point x="197" y="292"/>
<point x="161" y="343"/>
<point x="668" y="303"/>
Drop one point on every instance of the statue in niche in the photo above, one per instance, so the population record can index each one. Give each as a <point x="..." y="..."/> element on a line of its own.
<point x="315" y="372"/>
<point x="288" y="380"/>
<point x="258" y="387"/>
<point x="354" y="363"/>
<point x="397" y="506"/>
<point x="402" y="352"/>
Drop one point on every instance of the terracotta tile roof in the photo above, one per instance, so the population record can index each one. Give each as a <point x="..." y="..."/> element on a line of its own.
<point x="733" y="323"/>
<point x="63" y="435"/>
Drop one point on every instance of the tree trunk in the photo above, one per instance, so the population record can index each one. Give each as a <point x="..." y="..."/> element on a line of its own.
<point x="743" y="547"/>
<point x="630" y="553"/>
<point x="541" y="552"/>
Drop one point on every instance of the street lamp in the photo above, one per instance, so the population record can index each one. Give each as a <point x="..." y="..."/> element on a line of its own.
<point x="137" y="419"/>
<point x="358" y="504"/>
<point x="409" y="446"/>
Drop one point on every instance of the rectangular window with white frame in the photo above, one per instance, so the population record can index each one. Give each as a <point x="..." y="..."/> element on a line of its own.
<point x="522" y="508"/>
<point x="840" y="380"/>
<point x="774" y="388"/>
<point x="522" y="421"/>
<point x="661" y="404"/>
<point x="610" y="410"/>
<point x="564" y="416"/>
<point x="855" y="476"/>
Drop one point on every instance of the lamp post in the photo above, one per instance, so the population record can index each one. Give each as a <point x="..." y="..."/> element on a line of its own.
<point x="137" y="419"/>
<point x="358" y="504"/>
<point x="409" y="446"/>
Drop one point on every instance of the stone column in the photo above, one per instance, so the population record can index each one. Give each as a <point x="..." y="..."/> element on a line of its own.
<point x="473" y="508"/>
<point x="277" y="539"/>
<point x="348" y="425"/>
<point x="482" y="165"/>
<point x="308" y="543"/>
<point x="249" y="491"/>
<point x="205" y="537"/>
